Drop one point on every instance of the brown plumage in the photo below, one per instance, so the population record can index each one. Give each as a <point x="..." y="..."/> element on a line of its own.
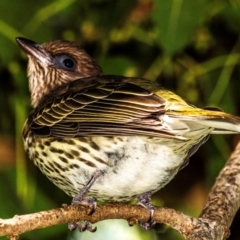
<point x="109" y="137"/>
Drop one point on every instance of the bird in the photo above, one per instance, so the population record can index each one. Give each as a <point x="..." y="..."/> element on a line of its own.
<point x="106" y="137"/>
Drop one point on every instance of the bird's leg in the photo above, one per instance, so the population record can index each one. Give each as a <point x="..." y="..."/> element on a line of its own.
<point x="90" y="202"/>
<point x="144" y="200"/>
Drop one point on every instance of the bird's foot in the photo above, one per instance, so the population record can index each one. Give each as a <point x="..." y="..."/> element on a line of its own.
<point x="144" y="200"/>
<point x="91" y="203"/>
<point x="88" y="202"/>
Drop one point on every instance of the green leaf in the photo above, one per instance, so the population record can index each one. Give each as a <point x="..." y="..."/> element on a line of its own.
<point x="177" y="20"/>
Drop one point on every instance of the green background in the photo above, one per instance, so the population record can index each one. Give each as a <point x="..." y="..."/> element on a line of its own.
<point x="190" y="47"/>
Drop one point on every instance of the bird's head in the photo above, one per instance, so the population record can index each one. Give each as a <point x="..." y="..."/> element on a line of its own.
<point x="54" y="63"/>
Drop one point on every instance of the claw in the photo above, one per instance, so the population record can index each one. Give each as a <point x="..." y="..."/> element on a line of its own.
<point x="89" y="227"/>
<point x="82" y="227"/>
<point x="147" y="225"/>
<point x="92" y="204"/>
<point x="72" y="225"/>
<point x="88" y="202"/>
<point x="144" y="200"/>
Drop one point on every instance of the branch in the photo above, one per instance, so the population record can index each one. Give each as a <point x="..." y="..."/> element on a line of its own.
<point x="222" y="203"/>
<point x="133" y="213"/>
<point x="213" y="223"/>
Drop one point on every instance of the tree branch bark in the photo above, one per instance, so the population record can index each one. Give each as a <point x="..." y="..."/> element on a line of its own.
<point x="133" y="213"/>
<point x="222" y="203"/>
<point x="213" y="223"/>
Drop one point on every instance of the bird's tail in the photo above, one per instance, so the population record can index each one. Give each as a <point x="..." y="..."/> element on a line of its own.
<point x="220" y="122"/>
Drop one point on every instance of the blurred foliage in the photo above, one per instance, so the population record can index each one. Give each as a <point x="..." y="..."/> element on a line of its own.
<point x="190" y="47"/>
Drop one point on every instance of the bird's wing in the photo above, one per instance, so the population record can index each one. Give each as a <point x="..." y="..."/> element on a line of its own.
<point x="102" y="106"/>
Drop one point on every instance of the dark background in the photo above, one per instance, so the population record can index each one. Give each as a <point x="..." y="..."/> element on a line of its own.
<point x="189" y="47"/>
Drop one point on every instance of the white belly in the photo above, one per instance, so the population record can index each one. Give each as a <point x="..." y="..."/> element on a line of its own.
<point x="132" y="165"/>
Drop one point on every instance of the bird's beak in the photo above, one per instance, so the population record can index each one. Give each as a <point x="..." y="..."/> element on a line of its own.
<point x="33" y="49"/>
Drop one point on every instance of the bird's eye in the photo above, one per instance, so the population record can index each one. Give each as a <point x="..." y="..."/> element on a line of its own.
<point x="65" y="62"/>
<point x="68" y="63"/>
